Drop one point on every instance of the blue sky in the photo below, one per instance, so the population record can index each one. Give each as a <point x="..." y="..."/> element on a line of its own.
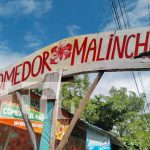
<point x="28" y="25"/>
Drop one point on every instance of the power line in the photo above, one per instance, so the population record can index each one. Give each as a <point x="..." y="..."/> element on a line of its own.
<point x="126" y="26"/>
<point x="141" y="81"/>
<point x="135" y="83"/>
<point x="115" y="12"/>
<point x="122" y="14"/>
<point x="118" y="23"/>
<point x="126" y="13"/>
<point x="132" y="79"/>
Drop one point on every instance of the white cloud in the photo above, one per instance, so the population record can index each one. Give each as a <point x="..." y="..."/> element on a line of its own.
<point x="110" y="27"/>
<point x="7" y="56"/>
<point x="117" y="79"/>
<point x="137" y="12"/>
<point x="72" y="29"/>
<point x="33" y="41"/>
<point x="123" y="79"/>
<point x="39" y="27"/>
<point x="24" y="7"/>
<point x="138" y="17"/>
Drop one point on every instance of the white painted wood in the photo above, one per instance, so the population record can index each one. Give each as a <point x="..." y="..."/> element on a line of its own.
<point x="29" y="127"/>
<point x="94" y="56"/>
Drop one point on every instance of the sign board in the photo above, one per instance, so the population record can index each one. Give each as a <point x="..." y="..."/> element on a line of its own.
<point x="10" y="115"/>
<point x="96" y="141"/>
<point x="109" y="51"/>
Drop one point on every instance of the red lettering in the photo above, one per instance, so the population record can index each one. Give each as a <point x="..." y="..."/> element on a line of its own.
<point x="99" y="50"/>
<point x="16" y="74"/>
<point x="44" y="63"/>
<point x="26" y="67"/>
<point x="109" y="46"/>
<point x="36" y="66"/>
<point x="78" y="50"/>
<point x="117" y="46"/>
<point x="92" y="47"/>
<point x="127" y="55"/>
<point x="8" y="77"/>
<point x="1" y="80"/>
<point x="144" y="44"/>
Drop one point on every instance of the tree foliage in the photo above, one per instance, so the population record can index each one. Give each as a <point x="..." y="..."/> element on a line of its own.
<point x="120" y="112"/>
<point x="74" y="91"/>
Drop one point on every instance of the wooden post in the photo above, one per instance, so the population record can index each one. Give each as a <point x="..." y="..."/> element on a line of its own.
<point x="8" y="138"/>
<point x="50" y="94"/>
<point x="27" y="121"/>
<point x="79" y="111"/>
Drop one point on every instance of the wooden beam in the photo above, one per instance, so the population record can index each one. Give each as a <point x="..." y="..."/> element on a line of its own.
<point x="72" y="63"/>
<point x="55" y="111"/>
<point x="78" y="112"/>
<point x="8" y="138"/>
<point x="27" y="121"/>
<point x="47" y="126"/>
<point x="49" y="98"/>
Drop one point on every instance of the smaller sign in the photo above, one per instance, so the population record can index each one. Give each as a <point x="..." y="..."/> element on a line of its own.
<point x="96" y="141"/>
<point x="13" y="111"/>
<point x="10" y="115"/>
<point x="61" y="128"/>
<point x="19" y="123"/>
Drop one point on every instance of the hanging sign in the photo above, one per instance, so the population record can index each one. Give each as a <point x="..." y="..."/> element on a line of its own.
<point x="95" y="141"/>
<point x="10" y="115"/>
<point x="109" y="51"/>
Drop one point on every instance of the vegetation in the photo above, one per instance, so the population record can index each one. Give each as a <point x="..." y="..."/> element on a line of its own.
<point x="120" y="112"/>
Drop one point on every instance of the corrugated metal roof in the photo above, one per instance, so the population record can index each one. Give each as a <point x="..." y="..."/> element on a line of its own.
<point x="87" y="125"/>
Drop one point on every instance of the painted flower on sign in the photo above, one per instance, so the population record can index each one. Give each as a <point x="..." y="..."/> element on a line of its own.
<point x="61" y="52"/>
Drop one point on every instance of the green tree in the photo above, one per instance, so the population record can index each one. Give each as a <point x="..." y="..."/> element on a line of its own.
<point x="107" y="111"/>
<point x="74" y="91"/>
<point x="120" y="112"/>
<point x="136" y="133"/>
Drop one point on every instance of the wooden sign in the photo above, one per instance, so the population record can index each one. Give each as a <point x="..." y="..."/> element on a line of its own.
<point x="10" y="115"/>
<point x="109" y="51"/>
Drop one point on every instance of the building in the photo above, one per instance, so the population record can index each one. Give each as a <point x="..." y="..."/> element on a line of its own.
<point x="13" y="133"/>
